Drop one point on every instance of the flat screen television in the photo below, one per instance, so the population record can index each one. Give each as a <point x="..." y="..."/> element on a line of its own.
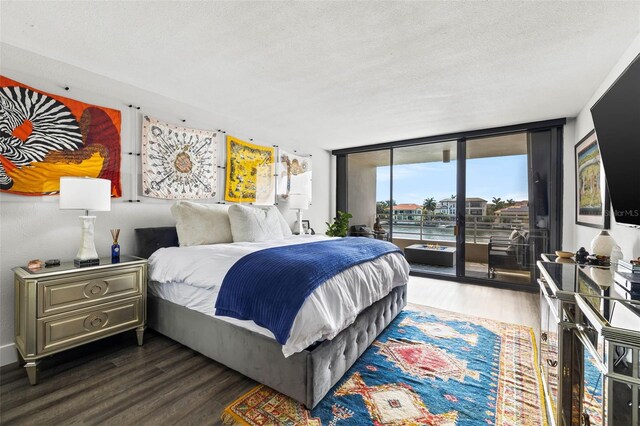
<point x="616" y="118"/>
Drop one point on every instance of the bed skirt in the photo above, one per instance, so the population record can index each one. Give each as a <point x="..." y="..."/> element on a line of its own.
<point x="306" y="376"/>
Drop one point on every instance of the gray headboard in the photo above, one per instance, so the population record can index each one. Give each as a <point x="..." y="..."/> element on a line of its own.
<point x="149" y="240"/>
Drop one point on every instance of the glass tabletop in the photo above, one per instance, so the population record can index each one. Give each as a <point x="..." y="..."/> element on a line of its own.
<point x="590" y="280"/>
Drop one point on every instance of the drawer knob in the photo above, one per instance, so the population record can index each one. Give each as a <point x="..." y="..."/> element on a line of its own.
<point x="96" y="289"/>
<point x="96" y="321"/>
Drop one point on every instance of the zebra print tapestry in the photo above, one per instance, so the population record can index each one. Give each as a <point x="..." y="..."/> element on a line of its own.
<point x="45" y="136"/>
<point x="177" y="162"/>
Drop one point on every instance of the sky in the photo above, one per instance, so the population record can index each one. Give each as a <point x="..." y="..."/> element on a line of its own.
<point x="504" y="177"/>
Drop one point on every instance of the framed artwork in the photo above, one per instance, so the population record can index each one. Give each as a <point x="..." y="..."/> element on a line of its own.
<point x="306" y="227"/>
<point x="178" y="162"/>
<point x="45" y="136"/>
<point x="250" y="173"/>
<point x="294" y="174"/>
<point x="592" y="197"/>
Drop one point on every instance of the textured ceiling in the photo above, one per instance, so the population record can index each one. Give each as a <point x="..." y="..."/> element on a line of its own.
<point x="335" y="75"/>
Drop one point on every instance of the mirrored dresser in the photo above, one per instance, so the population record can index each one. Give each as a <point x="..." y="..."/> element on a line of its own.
<point x="590" y="343"/>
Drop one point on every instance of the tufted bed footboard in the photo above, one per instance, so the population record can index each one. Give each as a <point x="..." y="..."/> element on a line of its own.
<point x="327" y="363"/>
<point x="306" y="376"/>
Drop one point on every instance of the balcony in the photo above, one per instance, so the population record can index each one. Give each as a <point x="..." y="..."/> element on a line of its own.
<point x="439" y="229"/>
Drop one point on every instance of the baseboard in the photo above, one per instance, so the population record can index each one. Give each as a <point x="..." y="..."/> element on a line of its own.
<point x="8" y="354"/>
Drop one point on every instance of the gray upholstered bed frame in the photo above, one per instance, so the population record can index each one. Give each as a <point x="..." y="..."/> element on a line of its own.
<point x="306" y="376"/>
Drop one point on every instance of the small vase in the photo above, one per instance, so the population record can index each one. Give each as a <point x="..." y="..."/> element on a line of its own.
<point x="602" y="244"/>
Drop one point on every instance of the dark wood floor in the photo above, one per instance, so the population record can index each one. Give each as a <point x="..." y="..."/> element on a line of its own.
<point x="116" y="382"/>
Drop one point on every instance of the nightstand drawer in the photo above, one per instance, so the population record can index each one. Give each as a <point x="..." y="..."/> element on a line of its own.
<point x="67" y="330"/>
<point x="62" y="295"/>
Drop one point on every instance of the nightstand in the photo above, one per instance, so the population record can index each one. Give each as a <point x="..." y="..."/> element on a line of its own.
<point x="64" y="306"/>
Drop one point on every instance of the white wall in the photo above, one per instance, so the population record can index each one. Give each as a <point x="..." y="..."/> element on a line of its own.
<point x="34" y="228"/>
<point x="575" y="236"/>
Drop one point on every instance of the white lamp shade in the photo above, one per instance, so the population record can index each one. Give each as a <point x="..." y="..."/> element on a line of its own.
<point x="80" y="193"/>
<point x="298" y="201"/>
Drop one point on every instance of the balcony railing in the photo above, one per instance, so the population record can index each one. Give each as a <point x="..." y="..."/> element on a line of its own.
<point x="441" y="227"/>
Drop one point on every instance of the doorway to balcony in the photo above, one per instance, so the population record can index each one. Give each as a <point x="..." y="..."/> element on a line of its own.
<point x="423" y="220"/>
<point x="497" y="231"/>
<point x="479" y="208"/>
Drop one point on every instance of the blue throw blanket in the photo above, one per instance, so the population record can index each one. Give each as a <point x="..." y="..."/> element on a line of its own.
<point x="269" y="286"/>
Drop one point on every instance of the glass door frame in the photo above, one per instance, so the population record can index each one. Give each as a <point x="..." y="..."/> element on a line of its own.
<point x="553" y="163"/>
<point x="461" y="208"/>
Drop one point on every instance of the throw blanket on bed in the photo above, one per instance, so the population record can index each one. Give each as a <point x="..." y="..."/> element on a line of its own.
<point x="269" y="286"/>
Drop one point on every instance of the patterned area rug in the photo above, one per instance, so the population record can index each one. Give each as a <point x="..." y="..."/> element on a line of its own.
<point x="429" y="367"/>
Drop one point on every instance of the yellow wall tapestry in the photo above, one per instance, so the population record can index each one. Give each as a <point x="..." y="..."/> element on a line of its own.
<point x="250" y="172"/>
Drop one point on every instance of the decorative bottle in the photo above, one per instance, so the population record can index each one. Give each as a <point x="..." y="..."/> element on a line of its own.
<point x="115" y="248"/>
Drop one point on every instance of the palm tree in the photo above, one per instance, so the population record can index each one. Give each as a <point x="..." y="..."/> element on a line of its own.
<point x="429" y="204"/>
<point x="498" y="203"/>
<point x="510" y="202"/>
<point x="382" y="207"/>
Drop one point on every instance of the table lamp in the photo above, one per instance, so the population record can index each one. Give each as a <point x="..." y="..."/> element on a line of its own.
<point x="299" y="202"/>
<point x="88" y="194"/>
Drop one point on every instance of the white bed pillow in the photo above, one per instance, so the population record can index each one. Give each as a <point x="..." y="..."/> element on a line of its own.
<point x="252" y="224"/>
<point x="286" y="230"/>
<point x="199" y="224"/>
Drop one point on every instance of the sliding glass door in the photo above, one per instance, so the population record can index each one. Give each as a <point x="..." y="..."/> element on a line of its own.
<point x="479" y="208"/>
<point x="424" y="200"/>
<point x="497" y="209"/>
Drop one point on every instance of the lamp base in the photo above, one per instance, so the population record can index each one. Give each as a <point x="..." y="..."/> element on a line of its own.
<point x="299" y="223"/>
<point x="87" y="252"/>
<point x="79" y="263"/>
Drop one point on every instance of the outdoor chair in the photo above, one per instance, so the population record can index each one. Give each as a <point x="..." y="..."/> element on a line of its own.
<point x="508" y="252"/>
<point x="361" y="231"/>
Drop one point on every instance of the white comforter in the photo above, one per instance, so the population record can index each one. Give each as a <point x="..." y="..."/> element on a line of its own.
<point x="331" y="308"/>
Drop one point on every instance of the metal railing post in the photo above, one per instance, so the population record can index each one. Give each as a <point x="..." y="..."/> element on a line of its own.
<point x="475" y="230"/>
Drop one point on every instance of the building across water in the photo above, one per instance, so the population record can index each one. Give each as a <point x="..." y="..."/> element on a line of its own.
<point x="473" y="206"/>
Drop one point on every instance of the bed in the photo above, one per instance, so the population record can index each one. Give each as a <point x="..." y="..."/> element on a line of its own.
<point x="305" y="374"/>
